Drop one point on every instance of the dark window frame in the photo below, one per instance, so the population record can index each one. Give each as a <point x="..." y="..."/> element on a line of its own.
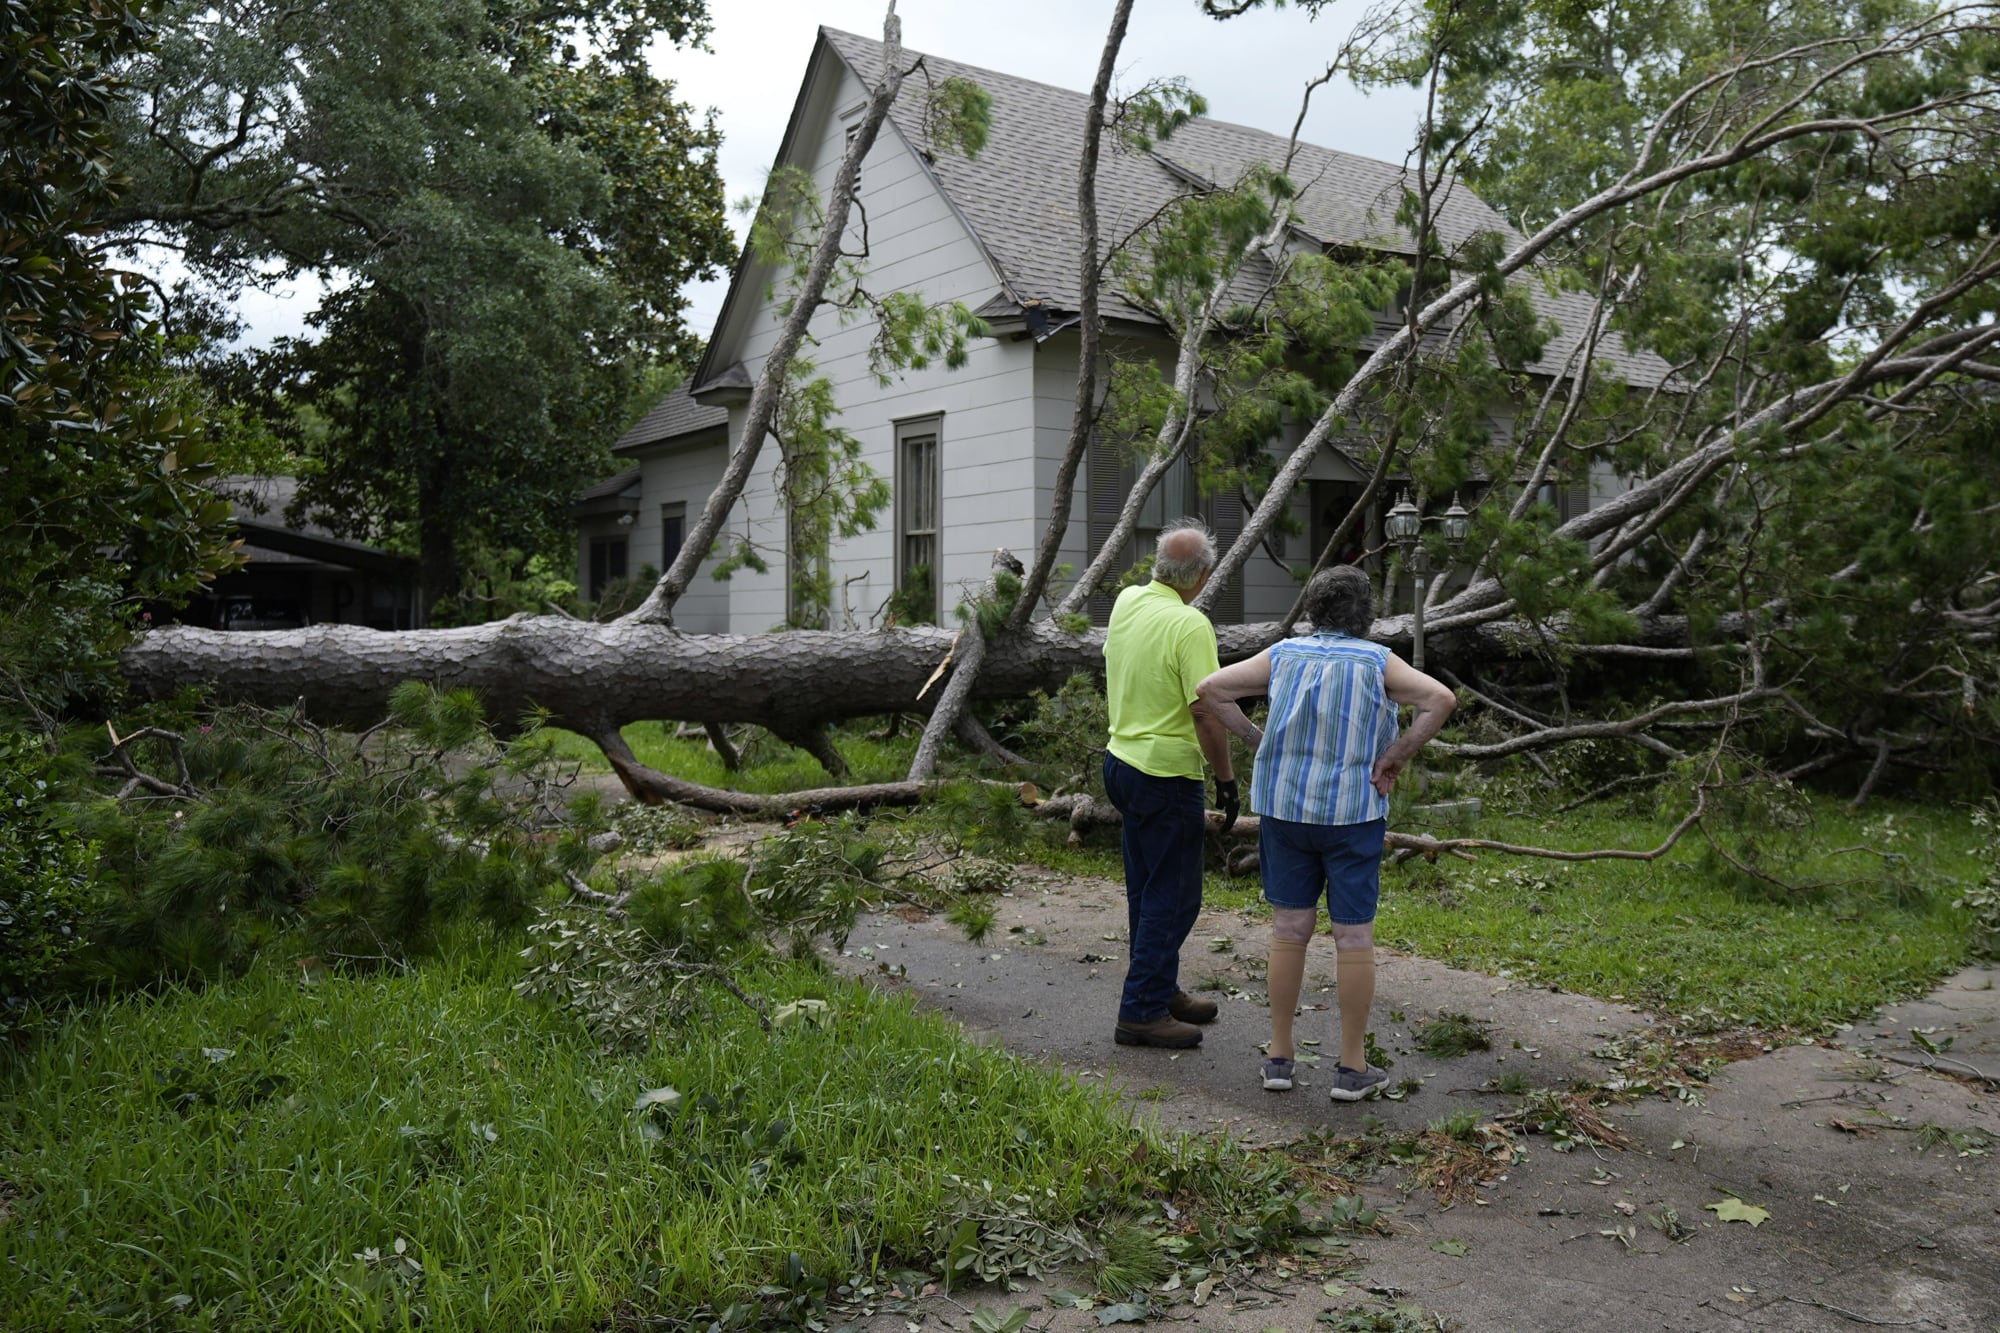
<point x="673" y="532"/>
<point x="912" y="474"/>
<point x="601" y="566"/>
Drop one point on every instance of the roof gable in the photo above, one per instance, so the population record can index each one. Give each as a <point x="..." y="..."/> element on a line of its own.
<point x="1018" y="196"/>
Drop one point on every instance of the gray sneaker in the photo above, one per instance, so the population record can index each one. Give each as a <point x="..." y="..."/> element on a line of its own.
<point x="1351" y="1085"/>
<point x="1278" y="1074"/>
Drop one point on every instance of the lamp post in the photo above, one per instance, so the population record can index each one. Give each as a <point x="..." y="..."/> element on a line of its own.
<point x="1405" y="527"/>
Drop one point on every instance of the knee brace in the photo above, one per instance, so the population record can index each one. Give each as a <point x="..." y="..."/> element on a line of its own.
<point x="1294" y="923"/>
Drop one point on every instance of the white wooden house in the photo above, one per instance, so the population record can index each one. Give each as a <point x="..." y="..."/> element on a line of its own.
<point x="972" y="453"/>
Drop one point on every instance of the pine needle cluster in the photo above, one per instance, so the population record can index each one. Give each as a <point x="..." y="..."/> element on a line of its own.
<point x="345" y="847"/>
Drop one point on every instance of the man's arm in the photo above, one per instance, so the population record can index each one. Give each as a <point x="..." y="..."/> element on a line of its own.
<point x="1219" y="692"/>
<point x="1433" y="701"/>
<point x="1214" y="740"/>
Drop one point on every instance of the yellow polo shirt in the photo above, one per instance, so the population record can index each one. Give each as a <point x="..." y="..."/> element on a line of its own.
<point x="1156" y="651"/>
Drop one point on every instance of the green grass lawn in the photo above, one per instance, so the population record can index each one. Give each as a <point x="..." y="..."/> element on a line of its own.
<point x="1690" y="937"/>
<point x="1687" y="936"/>
<point x="384" y="1150"/>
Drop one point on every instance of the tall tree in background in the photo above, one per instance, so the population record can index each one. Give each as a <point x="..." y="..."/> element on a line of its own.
<point x="505" y="203"/>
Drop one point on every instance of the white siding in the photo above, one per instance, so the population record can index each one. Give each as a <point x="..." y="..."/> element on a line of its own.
<point x="915" y="243"/>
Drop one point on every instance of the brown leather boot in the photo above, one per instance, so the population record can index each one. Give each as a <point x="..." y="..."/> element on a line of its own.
<point x="1190" y="1009"/>
<point x="1165" y="1030"/>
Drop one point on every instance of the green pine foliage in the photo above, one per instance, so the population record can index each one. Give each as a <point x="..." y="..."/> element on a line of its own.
<point x="343" y="847"/>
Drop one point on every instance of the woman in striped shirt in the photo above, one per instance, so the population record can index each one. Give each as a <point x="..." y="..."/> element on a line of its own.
<point x="1326" y="763"/>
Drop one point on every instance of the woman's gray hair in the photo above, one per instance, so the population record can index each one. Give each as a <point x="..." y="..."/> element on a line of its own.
<point x="1181" y="563"/>
<point x="1341" y="599"/>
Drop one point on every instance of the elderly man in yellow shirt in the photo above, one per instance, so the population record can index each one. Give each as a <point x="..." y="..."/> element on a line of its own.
<point x="1157" y="649"/>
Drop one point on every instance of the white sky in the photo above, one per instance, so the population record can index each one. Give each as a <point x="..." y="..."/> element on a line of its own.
<point x="1251" y="69"/>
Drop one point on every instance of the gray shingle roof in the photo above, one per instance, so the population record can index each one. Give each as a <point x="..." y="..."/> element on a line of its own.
<point x="1019" y="194"/>
<point x="673" y="416"/>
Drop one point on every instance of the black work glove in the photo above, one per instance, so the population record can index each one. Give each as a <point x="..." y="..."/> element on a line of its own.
<point x="1227" y="797"/>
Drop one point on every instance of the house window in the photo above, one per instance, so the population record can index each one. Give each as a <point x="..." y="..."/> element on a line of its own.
<point x="1168" y="502"/>
<point x="918" y="510"/>
<point x="673" y="532"/>
<point x="607" y="563"/>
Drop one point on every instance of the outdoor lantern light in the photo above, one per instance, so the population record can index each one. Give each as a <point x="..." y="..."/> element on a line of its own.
<point x="1403" y="523"/>
<point x="1456" y="523"/>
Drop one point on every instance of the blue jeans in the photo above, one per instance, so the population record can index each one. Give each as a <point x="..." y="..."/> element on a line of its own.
<point x="1162" y="836"/>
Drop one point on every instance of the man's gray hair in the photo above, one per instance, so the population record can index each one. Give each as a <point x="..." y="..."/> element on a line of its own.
<point x="1341" y="599"/>
<point x="1180" y="564"/>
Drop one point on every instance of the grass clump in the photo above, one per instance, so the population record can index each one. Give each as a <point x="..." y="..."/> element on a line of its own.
<point x="1451" y="1035"/>
<point x="769" y="765"/>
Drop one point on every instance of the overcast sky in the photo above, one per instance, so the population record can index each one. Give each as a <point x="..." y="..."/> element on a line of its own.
<point x="1251" y="69"/>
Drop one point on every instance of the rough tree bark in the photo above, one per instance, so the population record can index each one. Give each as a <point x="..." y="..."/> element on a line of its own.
<point x="589" y="676"/>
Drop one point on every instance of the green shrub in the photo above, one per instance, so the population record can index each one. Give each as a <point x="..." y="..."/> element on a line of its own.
<point x="1067" y="734"/>
<point x="45" y="881"/>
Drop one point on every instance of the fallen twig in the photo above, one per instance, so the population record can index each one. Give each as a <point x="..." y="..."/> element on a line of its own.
<point x="1931" y="1063"/>
<point x="1857" y="1318"/>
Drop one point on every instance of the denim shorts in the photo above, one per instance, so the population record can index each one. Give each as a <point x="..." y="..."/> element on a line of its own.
<point x="1343" y="861"/>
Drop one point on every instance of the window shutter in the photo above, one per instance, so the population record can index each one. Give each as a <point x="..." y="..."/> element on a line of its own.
<point x="1572" y="501"/>
<point x="1224" y="515"/>
<point x="1111" y="479"/>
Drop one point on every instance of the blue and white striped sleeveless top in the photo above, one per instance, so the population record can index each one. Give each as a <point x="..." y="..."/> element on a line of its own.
<point x="1330" y="717"/>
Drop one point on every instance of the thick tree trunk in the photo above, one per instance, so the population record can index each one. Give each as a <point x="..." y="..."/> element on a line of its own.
<point x="594" y="676"/>
<point x="437" y="550"/>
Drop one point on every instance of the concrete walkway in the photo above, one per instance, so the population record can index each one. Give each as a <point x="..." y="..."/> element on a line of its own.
<point x="1863" y="1229"/>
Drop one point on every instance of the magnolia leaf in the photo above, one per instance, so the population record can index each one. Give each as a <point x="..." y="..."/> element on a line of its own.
<point x="985" y="1321"/>
<point x="1458" y="1249"/>
<point x="666" y="1099"/>
<point x="1735" y="1210"/>
<point x="813" y="1013"/>
<point x="1123" y="1313"/>
<point x="1204" y="1289"/>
